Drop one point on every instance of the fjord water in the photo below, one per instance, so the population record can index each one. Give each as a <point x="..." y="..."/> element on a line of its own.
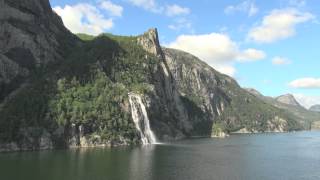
<point x="287" y="156"/>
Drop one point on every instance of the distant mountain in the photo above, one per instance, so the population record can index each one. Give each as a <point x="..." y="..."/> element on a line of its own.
<point x="315" y="108"/>
<point x="288" y="103"/>
<point x="253" y="92"/>
<point x="288" y="99"/>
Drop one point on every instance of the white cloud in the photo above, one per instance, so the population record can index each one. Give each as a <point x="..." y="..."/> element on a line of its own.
<point x="306" y="83"/>
<point x="251" y="55"/>
<point x="150" y="5"/>
<point x="248" y="7"/>
<point x="307" y="101"/>
<point x="181" y="23"/>
<point x="84" y="18"/>
<point x="212" y="47"/>
<point x="218" y="50"/>
<point x="169" y="10"/>
<point x="225" y="69"/>
<point x="279" y="24"/>
<point x="176" y="10"/>
<point x="113" y="9"/>
<point x="280" y="61"/>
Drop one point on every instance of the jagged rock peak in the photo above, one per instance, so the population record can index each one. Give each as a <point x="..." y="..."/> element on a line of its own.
<point x="315" y="108"/>
<point x="150" y="42"/>
<point x="288" y="99"/>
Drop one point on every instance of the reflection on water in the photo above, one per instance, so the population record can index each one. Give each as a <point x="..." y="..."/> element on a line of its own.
<point x="141" y="162"/>
<point x="291" y="156"/>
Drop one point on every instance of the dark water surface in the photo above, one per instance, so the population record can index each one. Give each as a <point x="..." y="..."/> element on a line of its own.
<point x="291" y="156"/>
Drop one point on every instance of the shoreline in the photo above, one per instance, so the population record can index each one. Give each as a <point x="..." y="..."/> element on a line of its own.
<point x="159" y="143"/>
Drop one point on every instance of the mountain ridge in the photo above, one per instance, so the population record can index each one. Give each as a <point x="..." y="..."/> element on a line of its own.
<point x="307" y="117"/>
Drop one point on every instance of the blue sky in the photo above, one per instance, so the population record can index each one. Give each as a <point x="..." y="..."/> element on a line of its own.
<point x="272" y="46"/>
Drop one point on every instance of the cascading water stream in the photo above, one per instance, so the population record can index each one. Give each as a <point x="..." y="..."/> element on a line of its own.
<point x="141" y="120"/>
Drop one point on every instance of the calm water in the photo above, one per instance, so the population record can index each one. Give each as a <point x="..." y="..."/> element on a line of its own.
<point x="292" y="156"/>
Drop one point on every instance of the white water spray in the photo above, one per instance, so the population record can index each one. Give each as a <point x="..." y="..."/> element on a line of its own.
<point x="141" y="120"/>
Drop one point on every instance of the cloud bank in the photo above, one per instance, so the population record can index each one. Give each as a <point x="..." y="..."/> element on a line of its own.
<point x="278" y="61"/>
<point x="87" y="18"/>
<point x="216" y="49"/>
<point x="248" y="7"/>
<point x="306" y="83"/>
<point x="277" y="25"/>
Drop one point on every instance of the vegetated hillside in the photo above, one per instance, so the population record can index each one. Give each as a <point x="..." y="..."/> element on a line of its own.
<point x="78" y="95"/>
<point x="306" y="117"/>
<point x="89" y="88"/>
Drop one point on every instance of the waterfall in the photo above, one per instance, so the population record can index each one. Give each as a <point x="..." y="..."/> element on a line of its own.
<point x="141" y="120"/>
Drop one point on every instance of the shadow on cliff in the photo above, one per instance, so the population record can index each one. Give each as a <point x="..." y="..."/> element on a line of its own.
<point x="24" y="118"/>
<point x="101" y="52"/>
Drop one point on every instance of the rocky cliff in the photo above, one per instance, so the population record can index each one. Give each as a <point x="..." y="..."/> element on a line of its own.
<point x="211" y="97"/>
<point x="254" y="92"/>
<point x="63" y="91"/>
<point x="31" y="35"/>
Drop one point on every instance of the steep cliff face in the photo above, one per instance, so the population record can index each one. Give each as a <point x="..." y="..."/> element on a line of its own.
<point x="217" y="98"/>
<point x="31" y="35"/>
<point x="166" y="109"/>
<point x="199" y="87"/>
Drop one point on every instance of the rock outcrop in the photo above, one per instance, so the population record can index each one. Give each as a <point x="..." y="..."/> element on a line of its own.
<point x="254" y="92"/>
<point x="288" y="99"/>
<point x="150" y="42"/>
